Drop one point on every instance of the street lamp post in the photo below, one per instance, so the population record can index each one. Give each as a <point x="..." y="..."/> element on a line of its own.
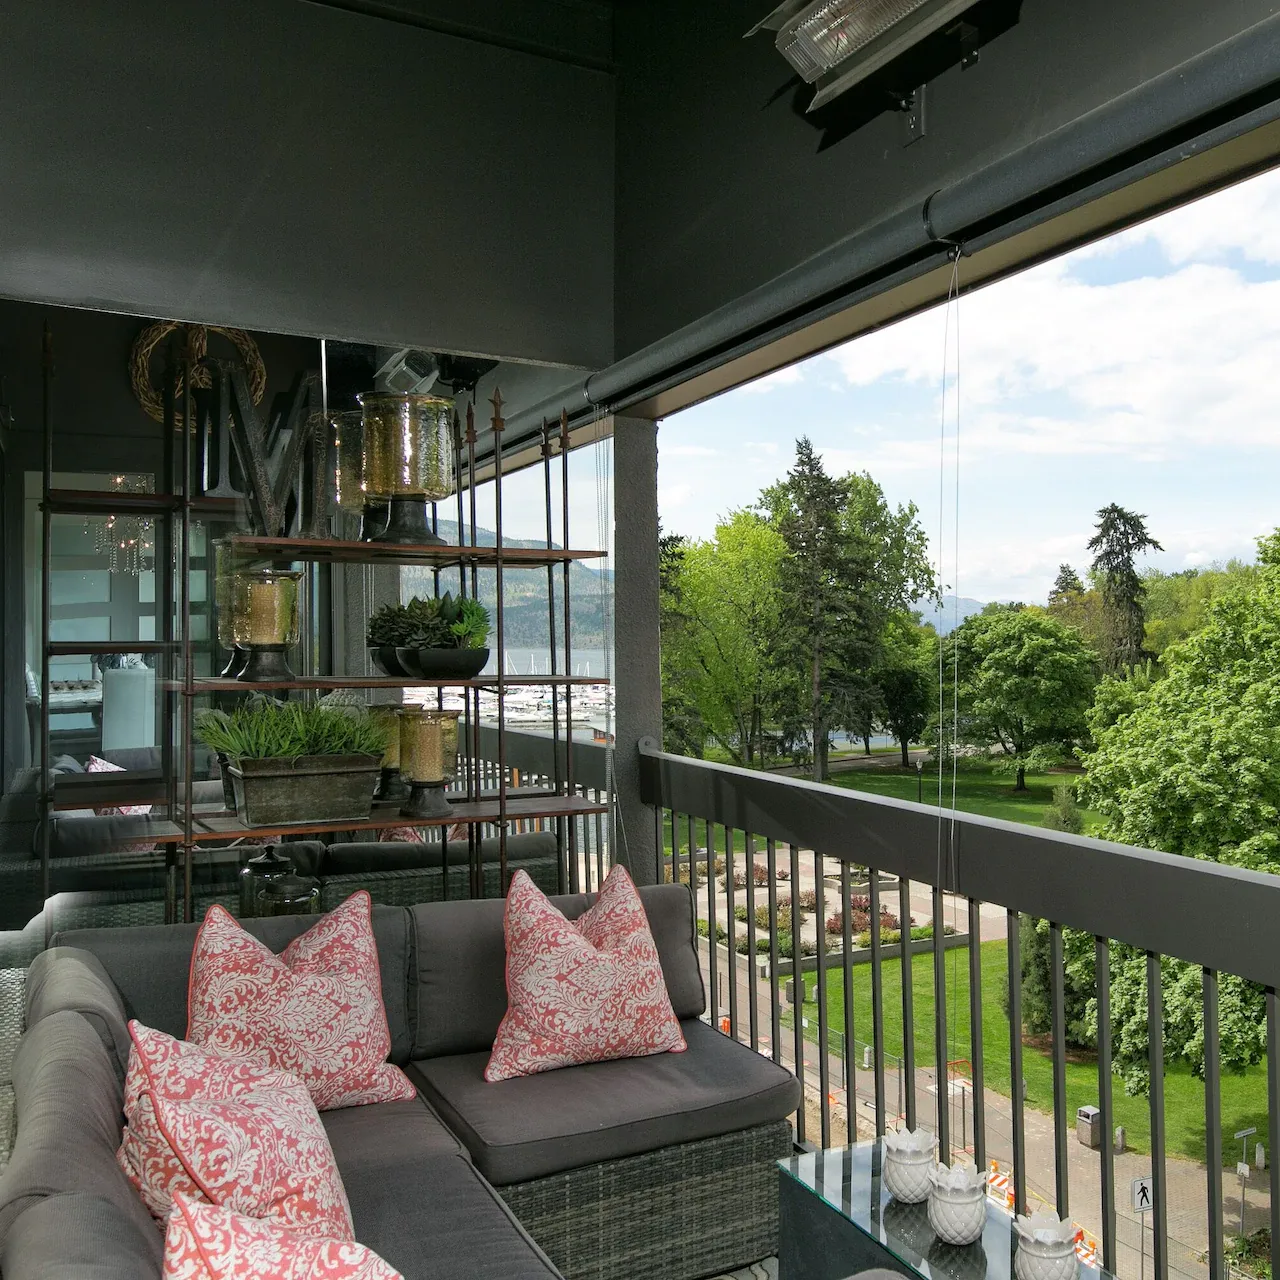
<point x="920" y="782"/>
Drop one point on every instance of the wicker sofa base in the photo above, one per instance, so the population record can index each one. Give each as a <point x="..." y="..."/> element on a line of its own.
<point x="693" y="1210"/>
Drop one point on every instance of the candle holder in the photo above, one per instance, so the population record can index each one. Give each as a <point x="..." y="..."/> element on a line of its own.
<point x="266" y="622"/>
<point x="290" y="895"/>
<point x="428" y="759"/>
<point x="390" y="786"/>
<point x="226" y="586"/>
<point x="348" y="449"/>
<point x="407" y="462"/>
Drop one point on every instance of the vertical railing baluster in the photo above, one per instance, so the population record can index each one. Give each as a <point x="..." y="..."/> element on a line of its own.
<point x="713" y="942"/>
<point x="1016" y="1093"/>
<point x="1213" y="1124"/>
<point x="730" y="924"/>
<point x="753" y="959"/>
<point x="797" y="985"/>
<point x="877" y="999"/>
<point x="1155" y="1063"/>
<point x="820" y="997"/>
<point x="1273" y="1118"/>
<point x="942" y="1071"/>
<point x="850" y="1045"/>
<point x="775" y="1003"/>
<point x="675" y="849"/>
<point x="979" y="1098"/>
<point x="1102" y="967"/>
<point x="908" y="1071"/>
<point x="1058" y="1001"/>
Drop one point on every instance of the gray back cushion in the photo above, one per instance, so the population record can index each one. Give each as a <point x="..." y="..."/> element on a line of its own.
<point x="462" y="958"/>
<point x="68" y="978"/>
<point x="67" y="1100"/>
<point x="80" y="1237"/>
<point x="149" y="967"/>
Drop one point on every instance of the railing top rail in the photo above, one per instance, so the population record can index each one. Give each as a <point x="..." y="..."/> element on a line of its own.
<point x="1224" y="918"/>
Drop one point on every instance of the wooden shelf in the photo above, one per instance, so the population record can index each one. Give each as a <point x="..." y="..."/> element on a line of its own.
<point x="108" y="790"/>
<point x="217" y="684"/>
<point x="335" y="551"/>
<point x="89" y="502"/>
<point x="519" y="808"/>
<point x="74" y="648"/>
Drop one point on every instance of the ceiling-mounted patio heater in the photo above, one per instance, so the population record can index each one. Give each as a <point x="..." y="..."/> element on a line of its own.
<point x="836" y="44"/>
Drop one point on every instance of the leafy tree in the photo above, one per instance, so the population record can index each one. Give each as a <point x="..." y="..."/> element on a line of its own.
<point x="907" y="680"/>
<point x="1067" y="583"/>
<point x="850" y="560"/>
<point x="1121" y="537"/>
<point x="1025" y="683"/>
<point x="729" y="608"/>
<point x="682" y="728"/>
<point x="1176" y="604"/>
<point x="1192" y="766"/>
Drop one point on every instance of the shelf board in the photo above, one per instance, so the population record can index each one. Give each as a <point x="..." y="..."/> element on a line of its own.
<point x="75" y="648"/>
<point x="217" y="684"/>
<point x="211" y="827"/>
<point x="336" y="551"/>
<point x="108" y="790"/>
<point x="89" y="502"/>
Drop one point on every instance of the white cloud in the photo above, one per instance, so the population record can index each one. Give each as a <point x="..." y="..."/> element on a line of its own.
<point x="688" y="451"/>
<point x="671" y="496"/>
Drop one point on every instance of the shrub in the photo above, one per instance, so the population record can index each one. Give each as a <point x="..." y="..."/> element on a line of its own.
<point x="1064" y="814"/>
<point x="740" y="913"/>
<point x="807" y="899"/>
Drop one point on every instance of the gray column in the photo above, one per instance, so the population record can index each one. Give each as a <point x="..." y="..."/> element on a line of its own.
<point x="635" y="635"/>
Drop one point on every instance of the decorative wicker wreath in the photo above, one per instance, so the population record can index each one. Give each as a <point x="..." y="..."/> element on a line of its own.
<point x="153" y="335"/>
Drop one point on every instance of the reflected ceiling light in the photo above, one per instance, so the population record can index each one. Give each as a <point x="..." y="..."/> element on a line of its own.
<point x="835" y="44"/>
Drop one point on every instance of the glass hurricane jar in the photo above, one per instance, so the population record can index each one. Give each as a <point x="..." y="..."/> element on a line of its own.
<point x="428" y="759"/>
<point x="407" y="461"/>
<point x="266" y="621"/>
<point x="226" y="597"/>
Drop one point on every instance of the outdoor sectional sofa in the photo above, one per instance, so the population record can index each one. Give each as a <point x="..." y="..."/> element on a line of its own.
<point x="657" y="1167"/>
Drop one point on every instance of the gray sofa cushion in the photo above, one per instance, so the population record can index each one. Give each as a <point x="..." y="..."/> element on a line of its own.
<point x="68" y="978"/>
<point x="80" y="1237"/>
<point x="67" y="1101"/>
<point x="382" y="1140"/>
<point x="398" y="855"/>
<point x="462" y="957"/>
<point x="543" y="1124"/>
<point x="149" y="966"/>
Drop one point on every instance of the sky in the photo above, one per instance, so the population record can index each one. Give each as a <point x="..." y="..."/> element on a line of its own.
<point x="1141" y="370"/>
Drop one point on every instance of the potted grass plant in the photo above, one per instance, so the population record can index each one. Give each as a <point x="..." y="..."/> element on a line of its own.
<point x="297" y="762"/>
<point x="438" y="638"/>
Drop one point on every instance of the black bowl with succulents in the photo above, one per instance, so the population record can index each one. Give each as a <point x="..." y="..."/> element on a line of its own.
<point x="438" y="638"/>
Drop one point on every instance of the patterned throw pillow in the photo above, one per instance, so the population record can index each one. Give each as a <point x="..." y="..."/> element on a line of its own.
<point x="237" y="1135"/>
<point x="316" y="1010"/>
<point x="206" y="1243"/>
<point x="586" y="990"/>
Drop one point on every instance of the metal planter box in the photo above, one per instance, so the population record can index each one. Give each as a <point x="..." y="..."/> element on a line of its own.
<point x="303" y="790"/>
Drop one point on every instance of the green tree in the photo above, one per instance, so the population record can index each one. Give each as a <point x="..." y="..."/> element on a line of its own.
<point x="729" y="605"/>
<point x="1120" y="538"/>
<point x="1176" y="605"/>
<point x="1025" y="683"/>
<point x="1067" y="583"/>
<point x="907" y="680"/>
<point x="850" y="560"/>
<point x="1192" y="766"/>
<point x="682" y="728"/>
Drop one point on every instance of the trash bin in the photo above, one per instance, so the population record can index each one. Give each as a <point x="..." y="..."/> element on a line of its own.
<point x="1089" y="1127"/>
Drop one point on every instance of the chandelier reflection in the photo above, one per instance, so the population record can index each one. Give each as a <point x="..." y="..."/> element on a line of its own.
<point x="125" y="540"/>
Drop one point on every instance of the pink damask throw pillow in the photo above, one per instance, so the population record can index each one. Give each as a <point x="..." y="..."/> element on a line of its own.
<point x="231" y="1133"/>
<point x="98" y="765"/>
<point x="206" y="1243"/>
<point x="584" y="990"/>
<point x="315" y="1010"/>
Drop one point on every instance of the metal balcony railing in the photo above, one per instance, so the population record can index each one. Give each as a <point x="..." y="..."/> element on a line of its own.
<point x="745" y="839"/>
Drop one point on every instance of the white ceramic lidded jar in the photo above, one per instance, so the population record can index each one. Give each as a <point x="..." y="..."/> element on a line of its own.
<point x="908" y="1162"/>
<point x="1046" y="1247"/>
<point x="958" y="1203"/>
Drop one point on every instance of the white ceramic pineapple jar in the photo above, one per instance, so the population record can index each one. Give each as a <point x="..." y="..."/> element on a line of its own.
<point x="1046" y="1247"/>
<point x="958" y="1203"/>
<point x="908" y="1162"/>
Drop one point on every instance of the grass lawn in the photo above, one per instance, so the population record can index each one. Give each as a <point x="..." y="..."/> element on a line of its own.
<point x="979" y="789"/>
<point x="1244" y="1101"/>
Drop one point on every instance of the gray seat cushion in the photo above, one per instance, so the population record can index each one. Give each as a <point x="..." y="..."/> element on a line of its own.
<point x="538" y="1125"/>
<point x="67" y="978"/>
<point x="462" y="957"/>
<point x="67" y="1101"/>
<point x="350" y="857"/>
<point x="416" y="1200"/>
<point x="149" y="966"/>
<point x="80" y="1237"/>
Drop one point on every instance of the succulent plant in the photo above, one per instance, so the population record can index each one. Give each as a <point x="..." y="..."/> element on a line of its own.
<point x="438" y="622"/>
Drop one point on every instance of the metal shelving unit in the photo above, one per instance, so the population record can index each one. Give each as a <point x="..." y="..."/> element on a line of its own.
<point x="179" y="830"/>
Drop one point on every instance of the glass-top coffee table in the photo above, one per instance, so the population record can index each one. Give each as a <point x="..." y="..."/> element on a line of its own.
<point x="837" y="1218"/>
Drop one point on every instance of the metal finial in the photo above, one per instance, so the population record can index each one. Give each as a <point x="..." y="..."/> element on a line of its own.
<point x="496" y="401"/>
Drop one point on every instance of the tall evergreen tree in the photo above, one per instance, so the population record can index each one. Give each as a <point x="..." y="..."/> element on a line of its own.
<point x="1067" y="583"/>
<point x="1121" y="537"/>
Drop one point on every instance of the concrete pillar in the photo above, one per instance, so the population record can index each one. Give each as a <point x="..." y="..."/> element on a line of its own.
<point x="637" y="672"/>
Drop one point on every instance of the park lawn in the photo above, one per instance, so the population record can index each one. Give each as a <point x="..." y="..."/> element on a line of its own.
<point x="1244" y="1101"/>
<point x="979" y="789"/>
